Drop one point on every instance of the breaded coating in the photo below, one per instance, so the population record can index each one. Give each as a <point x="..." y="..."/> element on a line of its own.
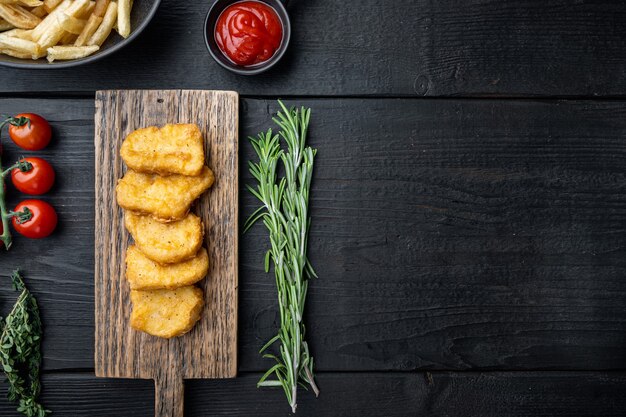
<point x="166" y="243"/>
<point x="164" y="198"/>
<point x="172" y="149"/>
<point x="143" y="273"/>
<point x="166" y="313"/>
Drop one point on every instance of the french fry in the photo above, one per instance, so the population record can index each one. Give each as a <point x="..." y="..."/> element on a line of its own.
<point x="110" y="17"/>
<point x="18" y="16"/>
<point x="15" y="54"/>
<point x="73" y="25"/>
<point x="50" y="20"/>
<point x="18" y="33"/>
<point x="92" y="25"/>
<point x="27" y="3"/>
<point x="88" y="11"/>
<point x="53" y="34"/>
<point x="70" y="52"/>
<point x="101" y="7"/>
<point x="60" y="29"/>
<point x="67" y="39"/>
<point x="39" y="11"/>
<point x="123" y="18"/>
<point x="77" y="8"/>
<point x="50" y="5"/>
<point x="31" y="3"/>
<point x="4" y="25"/>
<point x="55" y="31"/>
<point x="11" y="33"/>
<point x="21" y="45"/>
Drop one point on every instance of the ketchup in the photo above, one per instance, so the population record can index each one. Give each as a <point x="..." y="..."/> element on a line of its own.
<point x="248" y="32"/>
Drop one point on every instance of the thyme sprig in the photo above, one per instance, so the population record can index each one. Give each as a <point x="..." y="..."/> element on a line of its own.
<point x="20" y="351"/>
<point x="284" y="212"/>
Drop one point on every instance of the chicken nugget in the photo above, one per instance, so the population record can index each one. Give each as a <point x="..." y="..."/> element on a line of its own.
<point x="166" y="243"/>
<point x="172" y="149"/>
<point x="164" y="198"/>
<point x="144" y="274"/>
<point x="166" y="313"/>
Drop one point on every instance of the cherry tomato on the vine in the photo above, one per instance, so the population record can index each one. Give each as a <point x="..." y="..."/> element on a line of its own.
<point x="41" y="224"/>
<point x="38" y="180"/>
<point x="32" y="136"/>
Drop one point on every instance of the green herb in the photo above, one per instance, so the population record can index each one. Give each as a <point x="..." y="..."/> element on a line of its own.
<point x="20" y="351"/>
<point x="284" y="212"/>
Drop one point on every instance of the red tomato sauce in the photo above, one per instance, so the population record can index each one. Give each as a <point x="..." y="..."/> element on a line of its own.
<point x="248" y="32"/>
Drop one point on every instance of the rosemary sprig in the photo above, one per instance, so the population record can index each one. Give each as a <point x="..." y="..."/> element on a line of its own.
<point x="20" y="351"/>
<point x="284" y="212"/>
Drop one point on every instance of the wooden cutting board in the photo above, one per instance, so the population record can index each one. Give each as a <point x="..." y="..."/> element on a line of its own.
<point x="210" y="349"/>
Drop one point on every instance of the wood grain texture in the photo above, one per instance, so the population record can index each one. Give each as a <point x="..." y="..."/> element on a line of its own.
<point x="210" y="349"/>
<point x="455" y="234"/>
<point x="448" y="234"/>
<point x="366" y="394"/>
<point x="169" y="393"/>
<point x="392" y="48"/>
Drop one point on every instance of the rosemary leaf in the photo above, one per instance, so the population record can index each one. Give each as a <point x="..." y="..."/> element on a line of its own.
<point x="284" y="212"/>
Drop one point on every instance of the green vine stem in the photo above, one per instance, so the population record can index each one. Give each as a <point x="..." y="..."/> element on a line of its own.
<point x="23" y="166"/>
<point x="15" y="121"/>
<point x="6" y="232"/>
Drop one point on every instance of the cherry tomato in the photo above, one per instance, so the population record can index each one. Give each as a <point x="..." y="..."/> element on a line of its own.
<point x="42" y="223"/>
<point x="37" y="181"/>
<point x="32" y="136"/>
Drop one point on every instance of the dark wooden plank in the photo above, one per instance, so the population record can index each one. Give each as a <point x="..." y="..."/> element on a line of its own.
<point x="83" y="394"/>
<point x="404" y="47"/>
<point x="457" y="234"/>
<point x="448" y="234"/>
<point x="520" y="394"/>
<point x="59" y="269"/>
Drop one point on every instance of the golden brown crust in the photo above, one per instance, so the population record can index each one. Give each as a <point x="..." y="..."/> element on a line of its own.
<point x="164" y="198"/>
<point x="166" y="175"/>
<point x="166" y="243"/>
<point x="172" y="149"/>
<point x="166" y="313"/>
<point x="143" y="273"/>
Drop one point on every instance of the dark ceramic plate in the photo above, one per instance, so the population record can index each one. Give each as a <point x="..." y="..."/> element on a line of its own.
<point x="141" y="14"/>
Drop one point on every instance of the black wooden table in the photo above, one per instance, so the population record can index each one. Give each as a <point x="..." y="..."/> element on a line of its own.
<point x="469" y="209"/>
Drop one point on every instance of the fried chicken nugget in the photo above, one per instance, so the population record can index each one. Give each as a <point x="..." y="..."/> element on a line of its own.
<point x="166" y="243"/>
<point x="164" y="198"/>
<point x="172" y="149"/>
<point x="144" y="274"/>
<point x="166" y="313"/>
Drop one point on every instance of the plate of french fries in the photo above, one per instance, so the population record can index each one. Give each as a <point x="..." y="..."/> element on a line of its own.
<point x="62" y="33"/>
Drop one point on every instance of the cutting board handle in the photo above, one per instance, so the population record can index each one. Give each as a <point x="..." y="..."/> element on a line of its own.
<point x="169" y="395"/>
